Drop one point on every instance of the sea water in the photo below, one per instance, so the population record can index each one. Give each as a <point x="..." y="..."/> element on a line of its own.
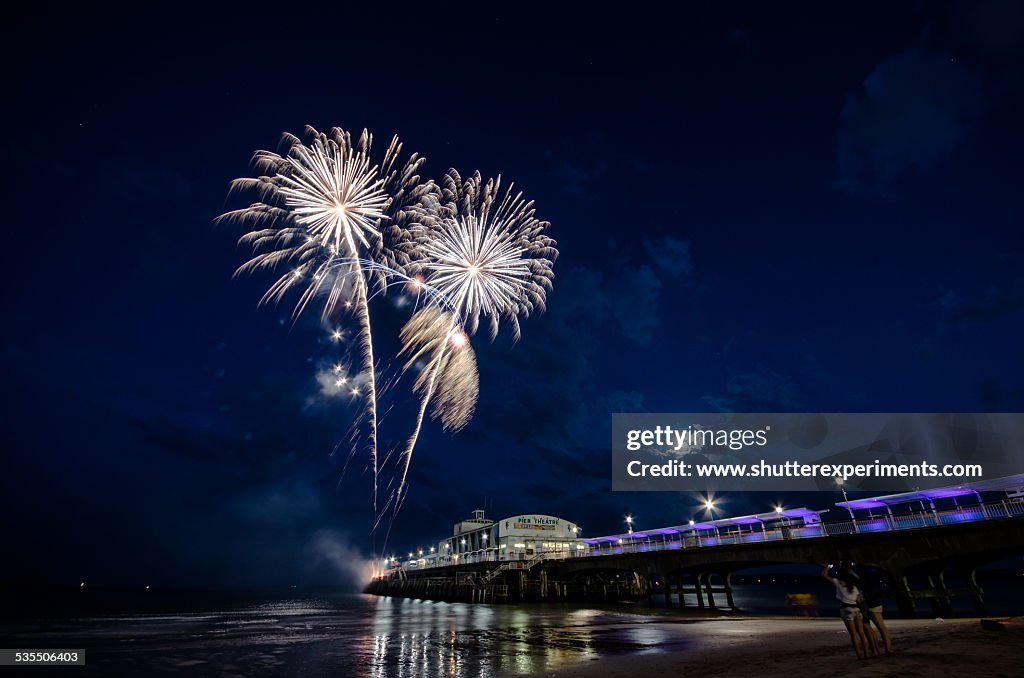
<point x="328" y="633"/>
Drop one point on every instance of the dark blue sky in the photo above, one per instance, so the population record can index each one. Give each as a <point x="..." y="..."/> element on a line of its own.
<point x="815" y="208"/>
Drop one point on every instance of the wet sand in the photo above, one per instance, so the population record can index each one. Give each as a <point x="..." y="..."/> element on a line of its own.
<point x="810" y="647"/>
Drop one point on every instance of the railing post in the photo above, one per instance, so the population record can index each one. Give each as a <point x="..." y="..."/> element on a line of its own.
<point x="981" y="505"/>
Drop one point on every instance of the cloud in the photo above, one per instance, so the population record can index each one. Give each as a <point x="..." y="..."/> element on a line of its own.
<point x="210" y="446"/>
<point x="553" y="399"/>
<point x="759" y="390"/>
<point x="553" y="382"/>
<point x="670" y="256"/>
<point x="633" y="297"/>
<point x="545" y="492"/>
<point x="996" y="398"/>
<point x="974" y="316"/>
<point x="911" y="113"/>
<point x="575" y="178"/>
<point x="993" y="304"/>
<point x="287" y="501"/>
<point x="625" y="401"/>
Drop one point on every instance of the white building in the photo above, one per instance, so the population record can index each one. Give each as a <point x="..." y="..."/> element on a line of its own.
<point x="523" y="537"/>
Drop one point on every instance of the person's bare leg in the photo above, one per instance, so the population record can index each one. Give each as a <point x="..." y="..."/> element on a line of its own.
<point x="879" y="621"/>
<point x="869" y="637"/>
<point x="858" y="625"/>
<point x="854" y="637"/>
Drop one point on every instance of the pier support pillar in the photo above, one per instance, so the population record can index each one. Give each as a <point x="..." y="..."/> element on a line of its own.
<point x="710" y="591"/>
<point x="942" y="606"/>
<point x="905" y="598"/>
<point x="978" y="595"/>
<point x="727" y="579"/>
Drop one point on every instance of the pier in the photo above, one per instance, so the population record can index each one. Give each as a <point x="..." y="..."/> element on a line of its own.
<point x="928" y="554"/>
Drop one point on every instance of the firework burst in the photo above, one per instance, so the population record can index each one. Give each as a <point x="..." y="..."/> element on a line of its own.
<point x="486" y="252"/>
<point x="323" y="207"/>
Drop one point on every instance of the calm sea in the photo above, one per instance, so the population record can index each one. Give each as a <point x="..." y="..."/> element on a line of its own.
<point x="332" y="633"/>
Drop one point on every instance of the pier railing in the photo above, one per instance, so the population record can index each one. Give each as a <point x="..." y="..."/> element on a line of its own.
<point x="886" y="523"/>
<point x="652" y="540"/>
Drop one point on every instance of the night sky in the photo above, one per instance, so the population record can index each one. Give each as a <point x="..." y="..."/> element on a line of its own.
<point x="759" y="208"/>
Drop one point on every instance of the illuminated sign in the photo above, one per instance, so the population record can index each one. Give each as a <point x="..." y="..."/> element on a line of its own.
<point x="532" y="523"/>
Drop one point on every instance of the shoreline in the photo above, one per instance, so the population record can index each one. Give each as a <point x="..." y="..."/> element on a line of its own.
<point x="812" y="646"/>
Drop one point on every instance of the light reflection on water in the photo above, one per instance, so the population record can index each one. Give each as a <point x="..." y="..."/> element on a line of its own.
<point x="360" y="635"/>
<point x="413" y="638"/>
<point x="343" y="635"/>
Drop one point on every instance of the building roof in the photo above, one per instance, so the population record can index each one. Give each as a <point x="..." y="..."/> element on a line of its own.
<point x="755" y="519"/>
<point x="993" y="485"/>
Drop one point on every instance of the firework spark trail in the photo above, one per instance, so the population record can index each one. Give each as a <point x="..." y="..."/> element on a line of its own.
<point x="438" y="301"/>
<point x="366" y="343"/>
<point x="435" y="298"/>
<point x="453" y="337"/>
<point x="434" y="368"/>
<point x="491" y="260"/>
<point x="450" y="379"/>
<point x="420" y="331"/>
<point x="322" y="200"/>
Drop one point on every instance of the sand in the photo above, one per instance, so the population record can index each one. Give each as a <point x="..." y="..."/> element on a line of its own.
<point x="807" y="647"/>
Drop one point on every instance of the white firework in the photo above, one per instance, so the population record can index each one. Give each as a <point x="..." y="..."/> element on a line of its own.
<point x="335" y="194"/>
<point x="488" y="255"/>
<point x="324" y="207"/>
<point x="487" y="252"/>
<point x="477" y="266"/>
<point x="456" y="383"/>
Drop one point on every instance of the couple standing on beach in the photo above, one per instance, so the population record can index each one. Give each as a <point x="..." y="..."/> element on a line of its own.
<point x="860" y="604"/>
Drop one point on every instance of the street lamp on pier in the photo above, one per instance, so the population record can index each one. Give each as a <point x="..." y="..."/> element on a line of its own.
<point x="841" y="482"/>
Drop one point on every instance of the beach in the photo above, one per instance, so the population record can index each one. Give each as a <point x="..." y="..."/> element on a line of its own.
<point x="819" y="647"/>
<point x="331" y="633"/>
